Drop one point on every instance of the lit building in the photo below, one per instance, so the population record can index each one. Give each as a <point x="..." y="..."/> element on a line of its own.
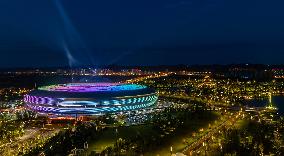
<point x="87" y="99"/>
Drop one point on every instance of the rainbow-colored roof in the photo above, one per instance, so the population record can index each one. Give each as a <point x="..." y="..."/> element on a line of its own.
<point x="92" y="87"/>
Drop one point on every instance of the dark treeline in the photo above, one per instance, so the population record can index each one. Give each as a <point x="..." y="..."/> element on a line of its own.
<point x="63" y="143"/>
<point x="257" y="138"/>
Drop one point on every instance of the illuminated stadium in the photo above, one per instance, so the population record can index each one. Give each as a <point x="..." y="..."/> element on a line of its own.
<point x="87" y="99"/>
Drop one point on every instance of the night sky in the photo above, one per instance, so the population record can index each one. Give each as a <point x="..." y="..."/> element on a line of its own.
<point x="42" y="33"/>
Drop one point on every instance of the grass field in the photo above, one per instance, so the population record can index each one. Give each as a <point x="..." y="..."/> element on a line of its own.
<point x="175" y="139"/>
<point x="110" y="135"/>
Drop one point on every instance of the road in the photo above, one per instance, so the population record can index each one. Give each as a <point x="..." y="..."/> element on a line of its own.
<point x="31" y="138"/>
<point x="29" y="133"/>
<point x="207" y="136"/>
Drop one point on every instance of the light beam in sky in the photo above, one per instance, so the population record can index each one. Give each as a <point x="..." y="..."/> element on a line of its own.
<point x="71" y="60"/>
<point x="73" y="38"/>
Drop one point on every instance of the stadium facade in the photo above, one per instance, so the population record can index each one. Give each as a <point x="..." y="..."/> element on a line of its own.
<point x="87" y="99"/>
